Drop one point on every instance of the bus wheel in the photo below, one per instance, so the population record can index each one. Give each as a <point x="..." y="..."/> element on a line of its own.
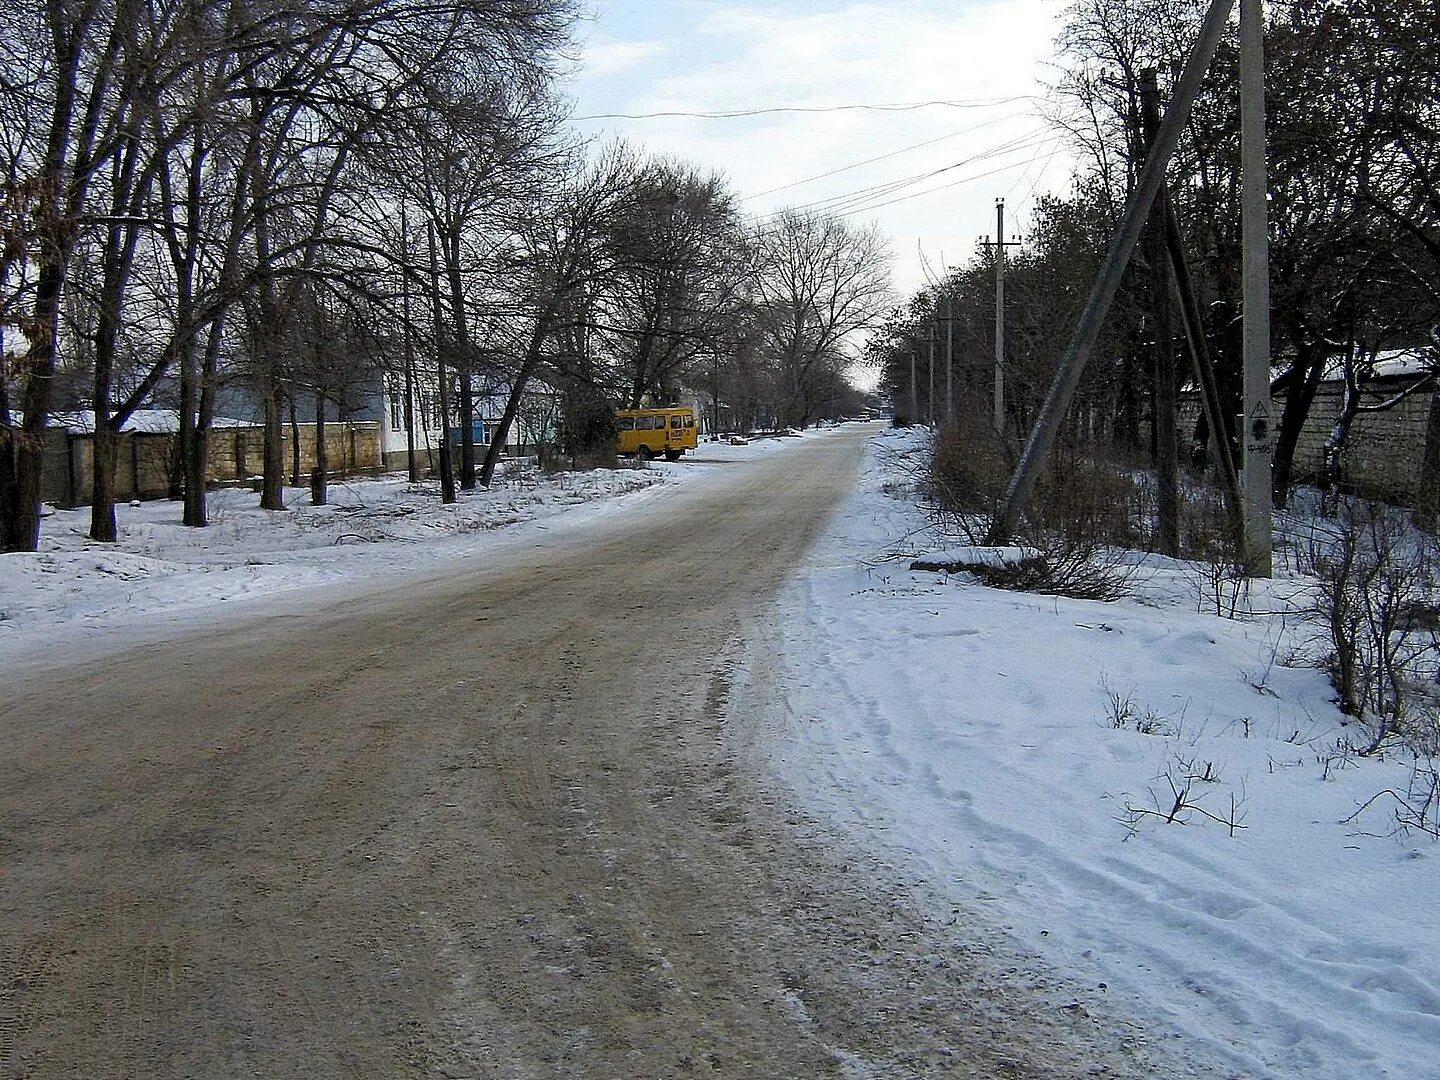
<point x="672" y="455"/>
<point x="645" y="453"/>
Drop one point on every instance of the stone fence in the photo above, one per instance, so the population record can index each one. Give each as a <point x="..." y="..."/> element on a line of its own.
<point x="147" y="464"/>
<point x="1383" y="453"/>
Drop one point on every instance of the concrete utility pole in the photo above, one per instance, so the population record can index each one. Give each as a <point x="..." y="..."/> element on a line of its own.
<point x="1167" y="445"/>
<point x="1107" y="283"/>
<point x="949" y="358"/>
<point x="914" y="399"/>
<point x="1255" y="285"/>
<point x="930" y="364"/>
<point x="1000" y="244"/>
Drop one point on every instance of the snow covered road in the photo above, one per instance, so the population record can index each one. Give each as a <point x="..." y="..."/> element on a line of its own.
<point x="511" y="817"/>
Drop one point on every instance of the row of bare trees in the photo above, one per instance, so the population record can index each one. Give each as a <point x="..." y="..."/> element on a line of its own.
<point x="186" y="182"/>
<point x="300" y="199"/>
<point x="1353" y="97"/>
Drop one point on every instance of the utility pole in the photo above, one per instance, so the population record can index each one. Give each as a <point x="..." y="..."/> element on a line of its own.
<point x="1107" y="283"/>
<point x="1255" y="288"/>
<point x="1163" y="420"/>
<point x="949" y="358"/>
<point x="914" y="404"/>
<point x="1000" y="244"/>
<point x="930" y="364"/>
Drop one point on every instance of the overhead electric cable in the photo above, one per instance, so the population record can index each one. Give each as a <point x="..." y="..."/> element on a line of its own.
<point x="841" y="203"/>
<point x="730" y="114"/>
<point x="883" y="157"/>
<point x="928" y="191"/>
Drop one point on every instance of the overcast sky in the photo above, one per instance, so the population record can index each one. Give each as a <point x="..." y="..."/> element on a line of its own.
<point x="988" y="57"/>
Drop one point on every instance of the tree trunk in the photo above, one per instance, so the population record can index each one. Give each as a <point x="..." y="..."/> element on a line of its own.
<point x="318" y="489"/>
<point x="447" y="464"/>
<point x="104" y="447"/>
<point x="517" y="391"/>
<point x="272" y="485"/>
<point x="1303" y="385"/>
<point x="24" y="513"/>
<point x="1429" y="489"/>
<point x="9" y="491"/>
<point x="197" y="457"/>
<point x="295" y="480"/>
<point x="412" y="459"/>
<point x="450" y="246"/>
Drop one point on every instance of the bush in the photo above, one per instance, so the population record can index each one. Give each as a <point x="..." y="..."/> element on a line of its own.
<point x="1084" y="513"/>
<point x="588" y="428"/>
<point x="1379" y="603"/>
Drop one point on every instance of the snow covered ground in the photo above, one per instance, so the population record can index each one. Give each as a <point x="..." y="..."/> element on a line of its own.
<point x="73" y="588"/>
<point x="1005" y="748"/>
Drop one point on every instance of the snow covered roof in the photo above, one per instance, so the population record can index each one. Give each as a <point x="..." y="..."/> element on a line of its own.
<point x="144" y="421"/>
<point x="1394" y="363"/>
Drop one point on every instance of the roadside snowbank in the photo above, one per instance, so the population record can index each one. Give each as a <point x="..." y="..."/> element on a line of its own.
<point x="1014" y="750"/>
<point x="372" y="528"/>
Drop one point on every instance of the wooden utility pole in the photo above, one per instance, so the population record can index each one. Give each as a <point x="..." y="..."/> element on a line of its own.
<point x="1107" y="283"/>
<point x="1255" y="288"/>
<point x="1163" y="420"/>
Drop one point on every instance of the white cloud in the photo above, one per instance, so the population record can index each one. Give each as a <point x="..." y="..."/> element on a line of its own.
<point x="605" y="58"/>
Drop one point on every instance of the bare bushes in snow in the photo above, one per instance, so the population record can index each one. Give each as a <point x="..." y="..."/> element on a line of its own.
<point x="1085" y="516"/>
<point x="1377" y="599"/>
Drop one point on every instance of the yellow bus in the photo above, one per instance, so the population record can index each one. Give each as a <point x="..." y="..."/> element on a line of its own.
<point x="647" y="433"/>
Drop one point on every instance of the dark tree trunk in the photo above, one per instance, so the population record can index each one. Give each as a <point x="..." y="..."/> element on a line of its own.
<point x="447" y="464"/>
<point x="272" y="485"/>
<point x="104" y="447"/>
<point x="9" y="490"/>
<point x="295" y="480"/>
<point x="24" y="512"/>
<point x="318" y="489"/>
<point x="1429" y="489"/>
<point x="1303" y="385"/>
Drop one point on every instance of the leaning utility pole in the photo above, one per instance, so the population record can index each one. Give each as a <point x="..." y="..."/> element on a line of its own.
<point x="1107" y="283"/>
<point x="1255" y="289"/>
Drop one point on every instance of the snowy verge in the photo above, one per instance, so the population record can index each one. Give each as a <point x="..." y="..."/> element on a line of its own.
<point x="1022" y="754"/>
<point x="372" y="530"/>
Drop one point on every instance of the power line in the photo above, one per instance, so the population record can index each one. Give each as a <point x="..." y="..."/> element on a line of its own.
<point x="928" y="191"/>
<point x="730" y="114"/>
<point x="889" y="187"/>
<point x="890" y="154"/>
<point x="844" y="202"/>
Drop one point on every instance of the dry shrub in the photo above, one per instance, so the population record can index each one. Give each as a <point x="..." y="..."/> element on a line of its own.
<point x="1083" y="515"/>
<point x="1378" y="598"/>
<point x="1208" y="542"/>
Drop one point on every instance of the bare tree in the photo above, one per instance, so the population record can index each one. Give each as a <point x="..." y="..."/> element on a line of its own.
<point x="819" y="282"/>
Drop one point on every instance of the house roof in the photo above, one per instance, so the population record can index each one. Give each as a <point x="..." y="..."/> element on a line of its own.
<point x="142" y="421"/>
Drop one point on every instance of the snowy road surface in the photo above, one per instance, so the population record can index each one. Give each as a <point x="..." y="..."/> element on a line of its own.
<point x="507" y="821"/>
